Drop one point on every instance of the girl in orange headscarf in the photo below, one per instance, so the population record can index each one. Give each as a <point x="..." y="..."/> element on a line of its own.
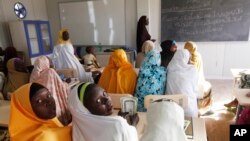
<point x="33" y="116"/>
<point x="118" y="76"/>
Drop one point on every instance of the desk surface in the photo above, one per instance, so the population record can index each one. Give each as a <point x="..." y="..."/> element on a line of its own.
<point x="198" y="127"/>
<point x="236" y="72"/>
<point x="240" y="95"/>
<point x="198" y="123"/>
<point x="73" y="82"/>
<point x="4" y="113"/>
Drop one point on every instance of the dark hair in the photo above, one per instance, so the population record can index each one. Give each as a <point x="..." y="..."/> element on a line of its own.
<point x="34" y="88"/>
<point x="88" y="91"/>
<point x="65" y="35"/>
<point x="10" y="52"/>
<point x="142" y="33"/>
<point x="88" y="49"/>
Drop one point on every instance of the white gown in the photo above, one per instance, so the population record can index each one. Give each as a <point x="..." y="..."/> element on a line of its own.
<point x="182" y="78"/>
<point x="63" y="58"/>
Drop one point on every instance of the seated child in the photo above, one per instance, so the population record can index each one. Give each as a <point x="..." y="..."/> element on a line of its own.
<point x="90" y="58"/>
<point x="33" y="116"/>
<point x="91" y="108"/>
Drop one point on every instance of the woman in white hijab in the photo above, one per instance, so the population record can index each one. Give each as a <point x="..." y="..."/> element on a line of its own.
<point x="165" y="122"/>
<point x="63" y="57"/>
<point x="182" y="78"/>
<point x="91" y="108"/>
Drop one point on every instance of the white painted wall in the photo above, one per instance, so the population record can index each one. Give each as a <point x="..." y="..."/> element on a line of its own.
<point x="4" y="36"/>
<point x="36" y="10"/>
<point x="218" y="57"/>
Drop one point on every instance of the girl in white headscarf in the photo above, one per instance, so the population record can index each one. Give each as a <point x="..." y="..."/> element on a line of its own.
<point x="182" y="78"/>
<point x="165" y="122"/>
<point x="63" y="57"/>
<point x="90" y="107"/>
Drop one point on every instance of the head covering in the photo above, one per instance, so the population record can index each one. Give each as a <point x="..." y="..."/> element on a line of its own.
<point x="195" y="55"/>
<point x="63" y="58"/>
<point x="82" y="92"/>
<point x="182" y="78"/>
<point x="25" y="125"/>
<point x="165" y="122"/>
<point x="89" y="127"/>
<point x="196" y="60"/>
<point x="119" y="75"/>
<point x="46" y="76"/>
<point x="15" y="79"/>
<point x="151" y="78"/>
<point x="146" y="47"/>
<point x="60" y="37"/>
<point x="166" y="53"/>
<point x="142" y="33"/>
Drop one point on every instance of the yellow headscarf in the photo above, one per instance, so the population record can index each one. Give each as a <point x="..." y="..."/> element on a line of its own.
<point x="195" y="55"/>
<point x="60" y="37"/>
<point x="118" y="76"/>
<point x="24" y="125"/>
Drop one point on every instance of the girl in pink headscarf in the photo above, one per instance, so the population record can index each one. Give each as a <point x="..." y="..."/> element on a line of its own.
<point x="46" y="76"/>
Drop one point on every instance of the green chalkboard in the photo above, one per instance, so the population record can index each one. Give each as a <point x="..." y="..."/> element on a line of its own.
<point x="205" y="20"/>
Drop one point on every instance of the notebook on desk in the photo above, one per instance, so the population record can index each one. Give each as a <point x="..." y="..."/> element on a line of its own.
<point x="188" y="127"/>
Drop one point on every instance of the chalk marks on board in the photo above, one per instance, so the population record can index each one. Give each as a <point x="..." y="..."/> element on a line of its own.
<point x="201" y="20"/>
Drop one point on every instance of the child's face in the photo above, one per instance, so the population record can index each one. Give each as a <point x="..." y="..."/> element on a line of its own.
<point x="92" y="50"/>
<point x="43" y="104"/>
<point x="99" y="103"/>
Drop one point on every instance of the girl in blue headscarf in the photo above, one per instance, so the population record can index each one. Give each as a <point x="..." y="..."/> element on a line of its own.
<point x="151" y="78"/>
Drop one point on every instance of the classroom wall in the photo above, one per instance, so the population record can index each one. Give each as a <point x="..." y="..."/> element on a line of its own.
<point x="4" y="36"/>
<point x="36" y="10"/>
<point x="218" y="57"/>
<point x="130" y="19"/>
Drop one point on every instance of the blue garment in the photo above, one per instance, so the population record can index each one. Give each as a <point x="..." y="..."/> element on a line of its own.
<point x="151" y="78"/>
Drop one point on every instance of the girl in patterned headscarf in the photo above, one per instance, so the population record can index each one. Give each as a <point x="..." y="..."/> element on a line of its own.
<point x="151" y="79"/>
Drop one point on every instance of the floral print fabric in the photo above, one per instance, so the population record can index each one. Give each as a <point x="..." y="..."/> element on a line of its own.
<point x="151" y="78"/>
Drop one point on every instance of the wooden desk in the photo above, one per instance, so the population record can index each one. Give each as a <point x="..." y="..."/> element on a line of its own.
<point x="199" y="128"/>
<point x="4" y="113"/>
<point x="73" y="82"/>
<point x="236" y="75"/>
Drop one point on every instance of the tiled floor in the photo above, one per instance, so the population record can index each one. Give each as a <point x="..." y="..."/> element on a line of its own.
<point x="217" y="124"/>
